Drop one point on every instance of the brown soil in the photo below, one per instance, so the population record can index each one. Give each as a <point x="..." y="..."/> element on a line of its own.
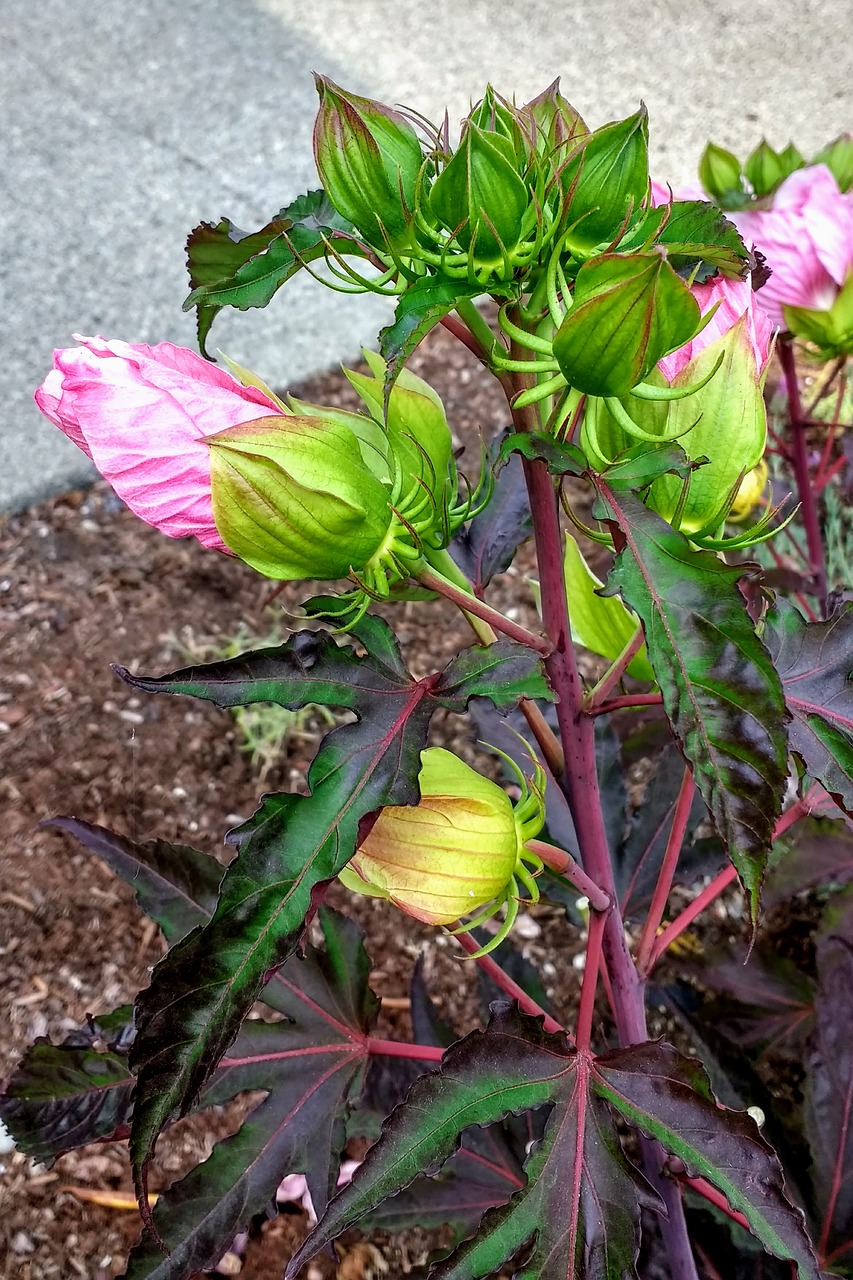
<point x="83" y="583"/>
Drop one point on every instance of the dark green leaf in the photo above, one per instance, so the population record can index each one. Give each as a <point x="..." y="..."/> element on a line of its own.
<point x="63" y="1096"/>
<point x="424" y="304"/>
<point x="201" y="991"/>
<point x="721" y="693"/>
<point x="232" y="268"/>
<point x="175" y="885"/>
<point x="640" y="465"/>
<point x="310" y="1068"/>
<point x="698" y="234"/>
<point x="569" y="1207"/>
<point x="667" y="1096"/>
<point x="488" y="543"/>
<point x="561" y="459"/>
<point x="815" y="660"/>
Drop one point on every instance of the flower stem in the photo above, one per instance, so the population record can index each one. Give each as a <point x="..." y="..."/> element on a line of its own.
<point x="625" y="701"/>
<point x="583" y="1030"/>
<point x="615" y="671"/>
<point x="677" y="831"/>
<point x="469" y="604"/>
<point x="401" y="1049"/>
<point x="505" y="982"/>
<point x="564" y="864"/>
<point x="799" y="457"/>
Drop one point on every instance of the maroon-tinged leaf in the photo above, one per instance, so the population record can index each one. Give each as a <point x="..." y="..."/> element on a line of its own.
<point x="62" y="1096"/>
<point x="667" y="1096"/>
<point x="200" y="993"/>
<point x="488" y="543"/>
<point x="721" y="693"/>
<point x="581" y="1199"/>
<point x="310" y="1067"/>
<point x="818" y="853"/>
<point x="815" y="660"/>
<point x="774" y="1000"/>
<point x="829" y="1100"/>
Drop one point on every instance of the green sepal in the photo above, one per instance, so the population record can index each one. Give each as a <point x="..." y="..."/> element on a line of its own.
<point x="292" y="497"/>
<point x="480" y="196"/>
<point x="369" y="159"/>
<point x="720" y="175"/>
<point x="629" y="311"/>
<point x="764" y="169"/>
<point x="831" y="331"/>
<point x="607" y="176"/>
<point x="838" y="158"/>
<point x="557" y="128"/>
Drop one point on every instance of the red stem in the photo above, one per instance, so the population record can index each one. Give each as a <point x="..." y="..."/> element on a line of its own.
<point x="505" y="982"/>
<point x="716" y="1198"/>
<point x="471" y="604"/>
<point x="800" y="809"/>
<point x="564" y="864"/>
<point x="400" y="1049"/>
<point x="461" y="331"/>
<point x="626" y="700"/>
<point x="616" y="671"/>
<point x="677" y="831"/>
<point x="800" y="461"/>
<point x="583" y="1031"/>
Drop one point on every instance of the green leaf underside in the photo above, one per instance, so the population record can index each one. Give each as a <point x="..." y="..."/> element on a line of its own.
<point x="228" y="267"/>
<point x="201" y="991"/>
<point x="423" y="305"/>
<point x="578" y="1214"/>
<point x="814" y="660"/>
<point x="721" y="693"/>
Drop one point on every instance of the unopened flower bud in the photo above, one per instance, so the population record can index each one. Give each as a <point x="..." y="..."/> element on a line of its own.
<point x="629" y="311"/>
<point x="368" y="158"/>
<point x="720" y="175"/>
<point x="608" y="176"/>
<point x="458" y="850"/>
<point x="838" y="158"/>
<point x="557" y="128"/>
<point x="293" y="497"/>
<point x="765" y="169"/>
<point x="479" y="196"/>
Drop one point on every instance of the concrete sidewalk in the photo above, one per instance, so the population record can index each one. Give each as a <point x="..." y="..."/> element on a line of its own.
<point x="125" y="125"/>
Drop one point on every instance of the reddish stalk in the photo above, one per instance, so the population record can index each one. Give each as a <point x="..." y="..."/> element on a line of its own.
<point x="461" y="331"/>
<point x="800" y="809"/>
<point x="471" y="604"/>
<point x="552" y="752"/>
<point x="614" y="672"/>
<point x="505" y="982"/>
<point x="625" y="701"/>
<point x="716" y="1198"/>
<point x="680" y="818"/>
<point x="400" y="1049"/>
<point x="564" y="864"/>
<point x="583" y="1030"/>
<point x="802" y="477"/>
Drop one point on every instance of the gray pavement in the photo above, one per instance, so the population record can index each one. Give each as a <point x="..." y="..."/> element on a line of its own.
<point x="126" y="124"/>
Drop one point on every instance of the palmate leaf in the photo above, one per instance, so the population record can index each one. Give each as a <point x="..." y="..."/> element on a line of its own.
<point x="815" y="661"/>
<point x="201" y="991"/>
<point x="721" y="693"/>
<point x="311" y="1068"/>
<point x="228" y="267"/>
<point x="578" y="1215"/>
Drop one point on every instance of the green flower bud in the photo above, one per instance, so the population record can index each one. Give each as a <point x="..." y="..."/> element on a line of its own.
<point x="479" y="196"/>
<point x="724" y="421"/>
<point x="629" y="311"/>
<point x="416" y="422"/>
<point x="791" y="160"/>
<point x="607" y="177"/>
<point x="764" y="169"/>
<point x="838" y="158"/>
<point x="293" y="497"/>
<point x="720" y="175"/>
<point x="368" y="158"/>
<point x="830" y="331"/>
<point x="556" y="127"/>
<point x="459" y="849"/>
<point x="493" y="115"/>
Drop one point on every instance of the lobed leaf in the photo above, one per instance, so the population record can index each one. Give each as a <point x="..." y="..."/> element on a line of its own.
<point x="815" y="662"/>
<point x="421" y="307"/>
<point x="201" y="991"/>
<point x="488" y="543"/>
<point x="721" y="693"/>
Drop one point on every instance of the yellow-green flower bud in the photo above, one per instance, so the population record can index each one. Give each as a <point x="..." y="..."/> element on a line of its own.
<point x="368" y="158"/>
<point x="479" y="196"/>
<point x="750" y="492"/>
<point x="293" y="497"/>
<point x="720" y="175"/>
<point x="457" y="851"/>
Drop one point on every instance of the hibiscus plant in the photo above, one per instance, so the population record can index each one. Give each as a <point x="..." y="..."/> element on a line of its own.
<point x="625" y="328"/>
